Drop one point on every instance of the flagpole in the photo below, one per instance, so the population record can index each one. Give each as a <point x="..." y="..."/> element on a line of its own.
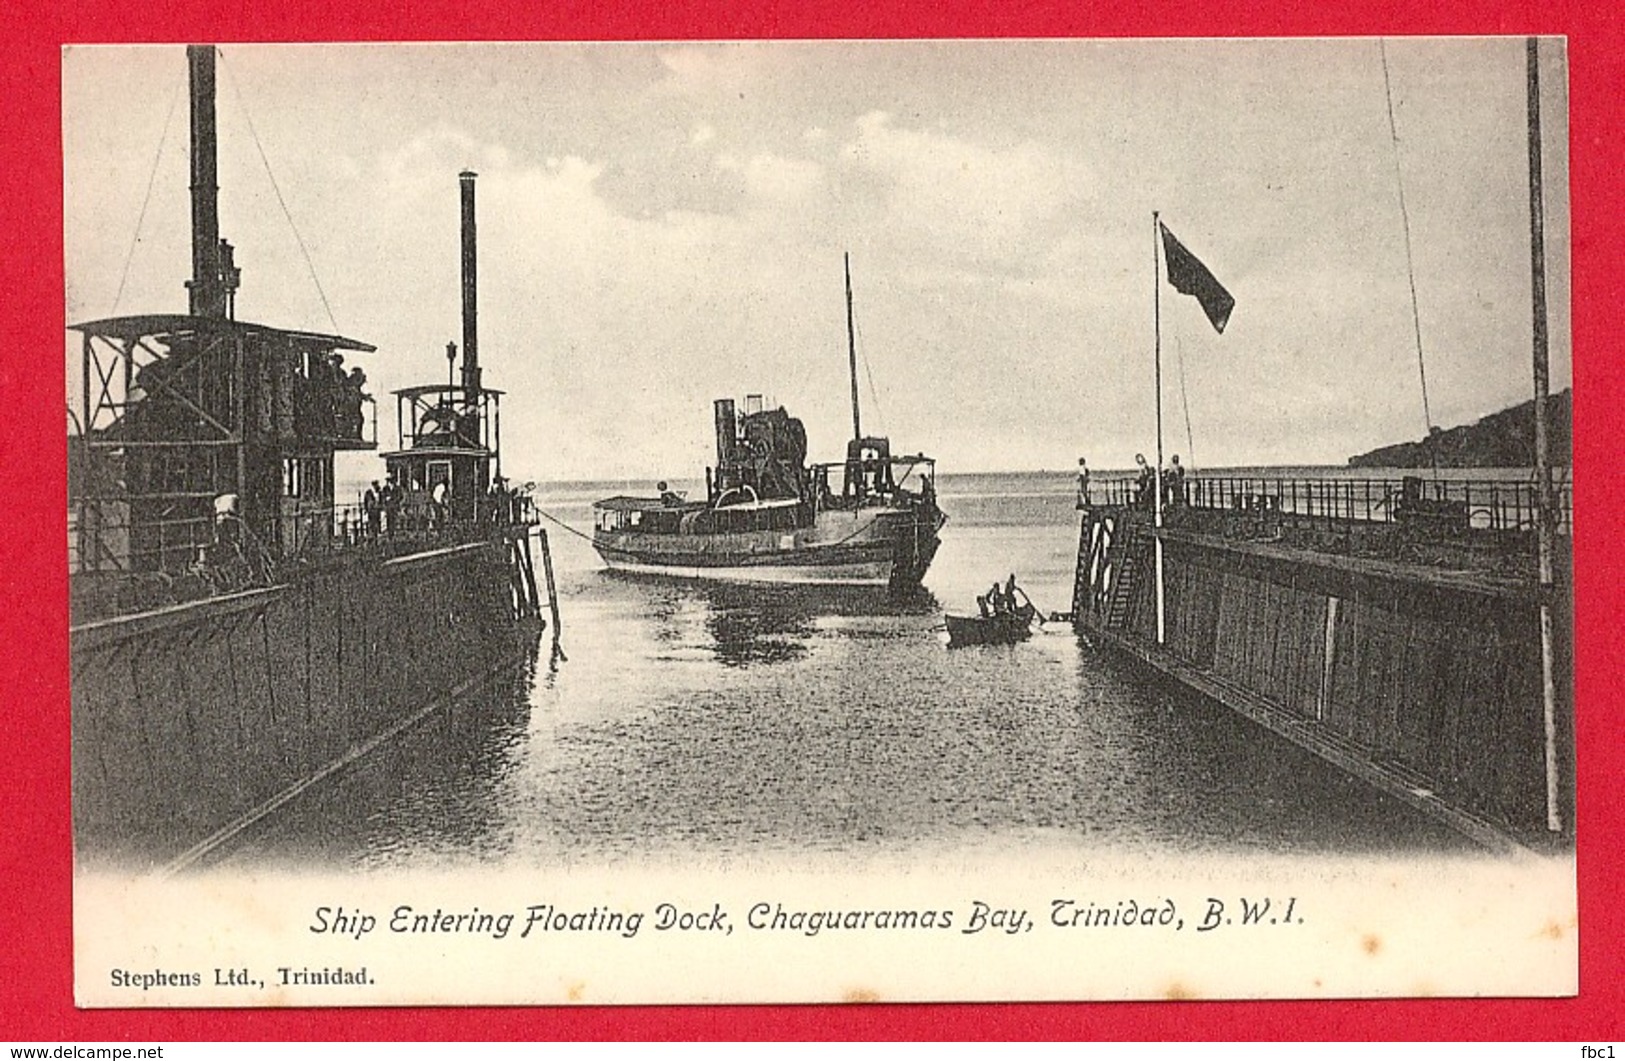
<point x="1156" y="302"/>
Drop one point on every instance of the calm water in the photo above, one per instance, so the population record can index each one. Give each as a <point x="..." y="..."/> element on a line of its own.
<point x="730" y="723"/>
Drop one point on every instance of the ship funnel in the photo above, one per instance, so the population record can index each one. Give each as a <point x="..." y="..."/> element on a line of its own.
<point x="471" y="348"/>
<point x="206" y="291"/>
<point x="727" y="434"/>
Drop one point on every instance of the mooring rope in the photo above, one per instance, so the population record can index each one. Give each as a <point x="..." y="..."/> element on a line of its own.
<point x="542" y="512"/>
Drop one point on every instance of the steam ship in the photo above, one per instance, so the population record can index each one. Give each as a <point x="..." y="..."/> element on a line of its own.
<point x="235" y="634"/>
<point x="769" y="516"/>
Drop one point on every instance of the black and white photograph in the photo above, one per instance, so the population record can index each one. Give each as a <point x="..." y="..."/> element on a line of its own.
<point x="819" y="521"/>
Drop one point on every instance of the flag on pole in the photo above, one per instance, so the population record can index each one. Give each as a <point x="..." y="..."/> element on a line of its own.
<point x="1190" y="277"/>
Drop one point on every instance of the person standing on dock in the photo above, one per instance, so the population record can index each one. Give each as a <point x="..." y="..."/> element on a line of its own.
<point x="1174" y="483"/>
<point x="1083" y="484"/>
<point x="1145" y="488"/>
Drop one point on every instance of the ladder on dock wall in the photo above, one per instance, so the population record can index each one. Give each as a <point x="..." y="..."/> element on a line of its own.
<point x="1080" y="578"/>
<point x="1113" y="551"/>
<point x="1133" y="552"/>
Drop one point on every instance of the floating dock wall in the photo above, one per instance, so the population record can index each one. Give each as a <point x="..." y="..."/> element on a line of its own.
<point x="1425" y="681"/>
<point x="188" y="719"/>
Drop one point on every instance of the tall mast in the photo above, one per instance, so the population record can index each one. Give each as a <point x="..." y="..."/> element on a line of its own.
<point x="1544" y="511"/>
<point x="206" y="294"/>
<point x="1429" y="444"/>
<point x="852" y="348"/>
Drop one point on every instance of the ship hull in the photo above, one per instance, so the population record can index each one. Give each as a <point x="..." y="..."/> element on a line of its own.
<point x="193" y="722"/>
<point x="866" y="547"/>
<point x="855" y="574"/>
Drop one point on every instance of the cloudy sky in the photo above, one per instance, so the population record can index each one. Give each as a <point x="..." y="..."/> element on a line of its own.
<point x="661" y="225"/>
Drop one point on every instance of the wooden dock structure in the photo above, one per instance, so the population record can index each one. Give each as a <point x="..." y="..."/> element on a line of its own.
<point x="1392" y="631"/>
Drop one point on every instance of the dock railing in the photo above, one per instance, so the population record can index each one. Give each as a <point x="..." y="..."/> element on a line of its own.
<point x="1464" y="504"/>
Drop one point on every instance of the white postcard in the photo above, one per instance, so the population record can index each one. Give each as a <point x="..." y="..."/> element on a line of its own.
<point x="820" y="521"/>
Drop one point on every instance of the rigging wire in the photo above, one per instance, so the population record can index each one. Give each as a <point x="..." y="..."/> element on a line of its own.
<point x="309" y="264"/>
<point x="1410" y="264"/>
<point x="1184" y="401"/>
<point x="880" y="414"/>
<point x="135" y="237"/>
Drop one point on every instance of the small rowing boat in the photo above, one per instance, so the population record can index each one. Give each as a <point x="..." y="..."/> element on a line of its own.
<point x="1005" y="628"/>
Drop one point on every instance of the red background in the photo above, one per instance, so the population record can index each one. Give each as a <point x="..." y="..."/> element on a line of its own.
<point x="36" y="940"/>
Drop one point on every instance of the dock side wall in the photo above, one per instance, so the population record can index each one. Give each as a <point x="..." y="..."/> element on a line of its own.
<point x="1434" y="687"/>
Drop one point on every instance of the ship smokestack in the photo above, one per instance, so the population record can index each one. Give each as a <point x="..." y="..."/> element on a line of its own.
<point x="206" y="292"/>
<point x="471" y="347"/>
<point x="727" y="435"/>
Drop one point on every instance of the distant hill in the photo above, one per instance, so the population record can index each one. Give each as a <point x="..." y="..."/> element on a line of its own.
<point x="1500" y="440"/>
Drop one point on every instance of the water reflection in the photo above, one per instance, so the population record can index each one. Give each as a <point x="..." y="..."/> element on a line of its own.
<point x="454" y="769"/>
<point x="749" y="624"/>
<point x="1200" y="776"/>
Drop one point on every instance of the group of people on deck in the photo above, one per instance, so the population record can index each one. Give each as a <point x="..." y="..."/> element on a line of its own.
<point x="1173" y="484"/>
<point x="328" y="399"/>
<point x="393" y="509"/>
<point x="1145" y="484"/>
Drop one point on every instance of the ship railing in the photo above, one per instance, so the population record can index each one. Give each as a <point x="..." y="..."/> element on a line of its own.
<point x="116" y="545"/>
<point x="351" y="428"/>
<point x="909" y="471"/>
<point x="405" y="528"/>
<point x="1451" y="504"/>
<point x="177" y="546"/>
<point x="904" y="462"/>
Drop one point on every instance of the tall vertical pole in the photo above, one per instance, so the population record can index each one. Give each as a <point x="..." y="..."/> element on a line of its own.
<point x="471" y="423"/>
<point x="852" y="349"/>
<point x="1430" y="445"/>
<point x="471" y="327"/>
<point x="206" y="295"/>
<point x="1544" y="512"/>
<point x="552" y="590"/>
<point x="1156" y="303"/>
<point x="87" y="470"/>
<point x="86" y="361"/>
